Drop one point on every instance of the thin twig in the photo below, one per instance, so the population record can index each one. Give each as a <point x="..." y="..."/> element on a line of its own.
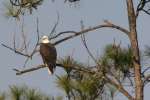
<point x="146" y="79"/>
<point x="15" y="50"/>
<point x="54" y="28"/>
<point x="145" y="70"/>
<point x="87" y="49"/>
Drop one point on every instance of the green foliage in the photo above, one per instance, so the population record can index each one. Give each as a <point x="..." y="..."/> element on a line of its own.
<point x="23" y="93"/>
<point x="117" y="59"/>
<point x="77" y="84"/>
<point x="64" y="83"/>
<point x="2" y="96"/>
<point x="59" y="98"/>
<point x="31" y="4"/>
<point x="17" y="92"/>
<point x="11" y="11"/>
<point x="88" y="88"/>
<point x="80" y="85"/>
<point x="18" y="8"/>
<point x="68" y="62"/>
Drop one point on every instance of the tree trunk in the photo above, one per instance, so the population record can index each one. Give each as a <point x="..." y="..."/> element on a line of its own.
<point x="135" y="50"/>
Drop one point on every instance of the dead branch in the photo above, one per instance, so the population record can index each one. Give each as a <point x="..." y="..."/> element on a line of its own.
<point x="141" y="6"/>
<point x="19" y="51"/>
<point x="120" y="88"/>
<point x="87" y="49"/>
<point x="62" y="33"/>
<point x="146" y="79"/>
<point x="20" y="72"/>
<point x="106" y="25"/>
<point x="38" y="38"/>
<point x="55" y="26"/>
<point x="15" y="50"/>
<point x="25" y="44"/>
<point x="24" y="47"/>
<point x="145" y="70"/>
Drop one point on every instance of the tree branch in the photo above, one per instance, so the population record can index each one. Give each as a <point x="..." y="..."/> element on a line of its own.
<point x="146" y="79"/>
<point x="15" y="50"/>
<point x="135" y="49"/>
<point x="106" y="25"/>
<point x="20" y="72"/>
<point x="141" y="6"/>
<point x="120" y="88"/>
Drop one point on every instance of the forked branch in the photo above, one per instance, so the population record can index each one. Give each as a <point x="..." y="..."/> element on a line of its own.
<point x="20" y="51"/>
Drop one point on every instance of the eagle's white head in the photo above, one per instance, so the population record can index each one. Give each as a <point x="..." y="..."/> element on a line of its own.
<point x="44" y="39"/>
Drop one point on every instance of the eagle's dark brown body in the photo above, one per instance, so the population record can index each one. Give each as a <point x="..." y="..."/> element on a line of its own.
<point x="49" y="55"/>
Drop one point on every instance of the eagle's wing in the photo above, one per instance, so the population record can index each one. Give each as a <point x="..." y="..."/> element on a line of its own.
<point x="49" y="55"/>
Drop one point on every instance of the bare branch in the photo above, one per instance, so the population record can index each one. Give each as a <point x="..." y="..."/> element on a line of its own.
<point x="146" y="79"/>
<point x="141" y="6"/>
<point x="35" y="48"/>
<point x="20" y="51"/>
<point x="62" y="33"/>
<point x="113" y="26"/>
<point x="20" y="72"/>
<point x="120" y="88"/>
<point x="24" y="46"/>
<point x="145" y="70"/>
<point x="16" y="51"/>
<point x="87" y="49"/>
<point x="15" y="3"/>
<point x="54" y="28"/>
<point x="108" y="25"/>
<point x="146" y="11"/>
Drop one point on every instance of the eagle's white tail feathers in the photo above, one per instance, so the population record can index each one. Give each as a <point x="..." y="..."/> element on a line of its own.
<point x="49" y="72"/>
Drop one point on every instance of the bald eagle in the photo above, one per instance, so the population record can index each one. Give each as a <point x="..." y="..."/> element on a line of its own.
<point x="48" y="53"/>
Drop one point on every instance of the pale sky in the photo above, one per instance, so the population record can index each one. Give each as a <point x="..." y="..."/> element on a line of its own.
<point x="92" y="12"/>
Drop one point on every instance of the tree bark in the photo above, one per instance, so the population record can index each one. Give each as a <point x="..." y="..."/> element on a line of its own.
<point x="135" y="50"/>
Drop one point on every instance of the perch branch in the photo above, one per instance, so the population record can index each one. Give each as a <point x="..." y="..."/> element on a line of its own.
<point x="20" y="72"/>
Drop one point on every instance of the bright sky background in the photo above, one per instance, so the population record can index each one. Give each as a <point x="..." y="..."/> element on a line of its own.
<point x="92" y="12"/>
